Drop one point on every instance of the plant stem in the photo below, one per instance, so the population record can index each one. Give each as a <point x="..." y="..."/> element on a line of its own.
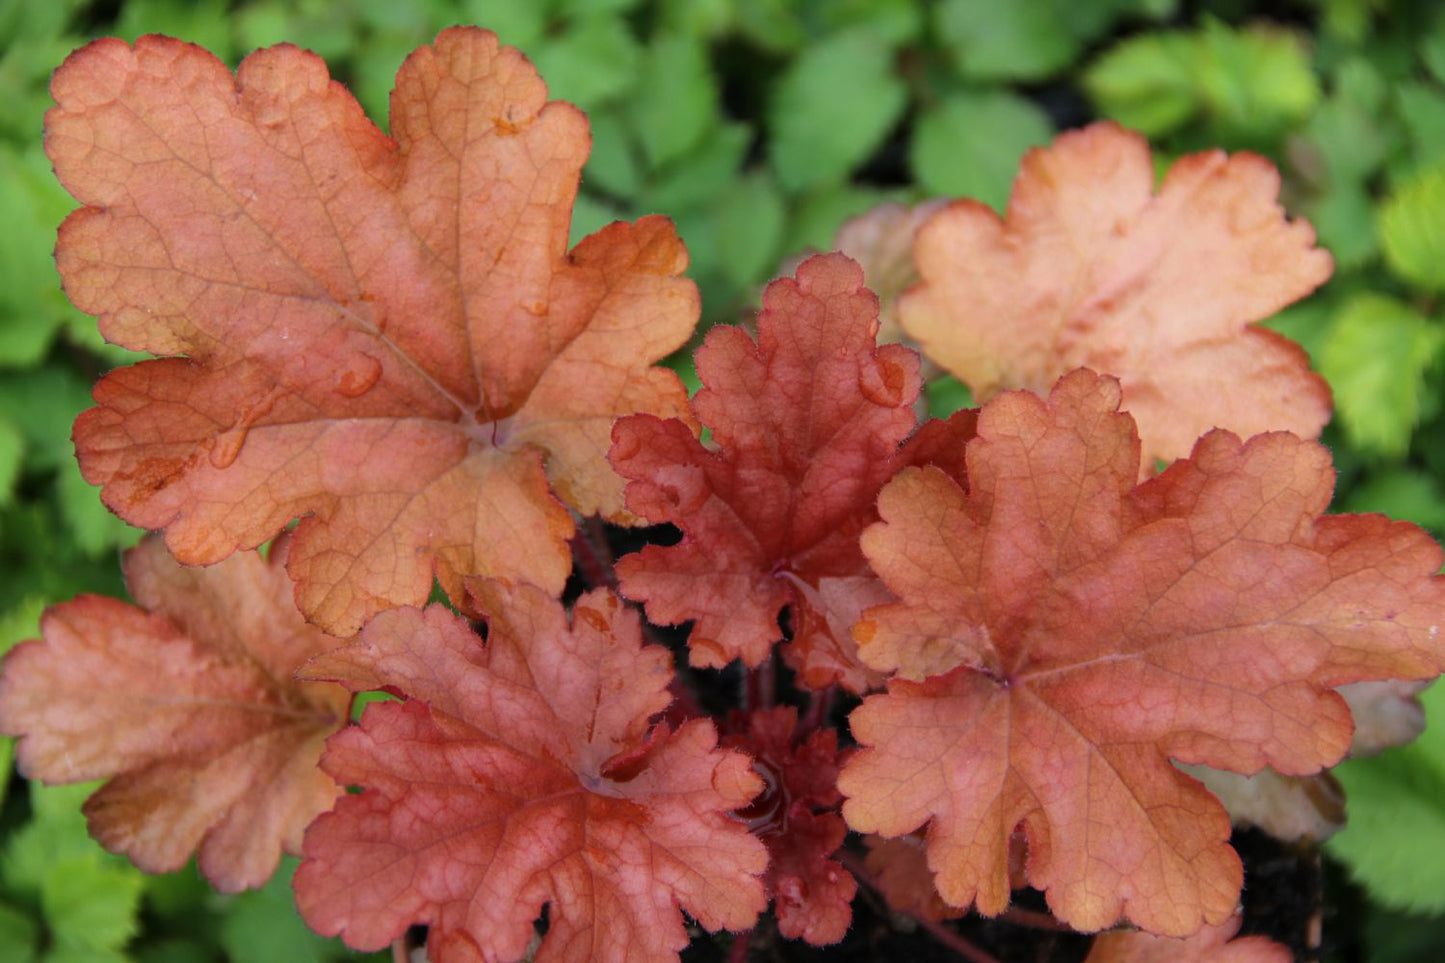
<point x="399" y="952"/>
<point x="819" y="705"/>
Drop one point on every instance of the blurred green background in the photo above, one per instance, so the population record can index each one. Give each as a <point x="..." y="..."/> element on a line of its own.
<point x="759" y="126"/>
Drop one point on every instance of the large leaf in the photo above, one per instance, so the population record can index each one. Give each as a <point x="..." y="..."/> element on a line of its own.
<point x="1062" y="635"/>
<point x="387" y="337"/>
<point x="524" y="771"/>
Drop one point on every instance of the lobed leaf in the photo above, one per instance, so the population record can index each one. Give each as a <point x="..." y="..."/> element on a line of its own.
<point x="809" y="421"/>
<point x="521" y="772"/>
<point x="1061" y="635"/>
<point x="341" y="301"/>
<point x="1092" y="268"/>
<point x="187" y="705"/>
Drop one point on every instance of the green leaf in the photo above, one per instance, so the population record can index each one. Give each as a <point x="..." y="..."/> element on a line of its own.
<point x="832" y="107"/>
<point x="749" y="229"/>
<point x="971" y="143"/>
<point x="1402" y="493"/>
<point x="12" y="453"/>
<point x="1251" y="83"/>
<point x="1396" y="828"/>
<point x="591" y="63"/>
<point x="32" y="306"/>
<point x="691" y="181"/>
<point x="1146" y="82"/>
<point x="521" y="25"/>
<point x="1375" y="359"/>
<point x="1422" y="108"/>
<point x="676" y="102"/>
<point x="19" y="935"/>
<point x="816" y="217"/>
<point x="1412" y="229"/>
<point x="613" y="166"/>
<point x="263" y="926"/>
<point x="945" y="395"/>
<point x="992" y="41"/>
<point x="1257" y="81"/>
<point x="202" y="22"/>
<point x="1343" y="217"/>
<point x="175" y="951"/>
<point x="895" y="22"/>
<point x="91" y="904"/>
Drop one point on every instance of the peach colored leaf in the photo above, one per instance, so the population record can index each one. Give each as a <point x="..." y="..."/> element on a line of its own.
<point x="1212" y="944"/>
<point x="1386" y="713"/>
<point x="384" y="337"/>
<point x="188" y="706"/>
<point x="797" y="817"/>
<point x="1062" y="635"/>
<point x="808" y="422"/>
<point x="1092" y="267"/>
<point x="881" y="241"/>
<point x="523" y="772"/>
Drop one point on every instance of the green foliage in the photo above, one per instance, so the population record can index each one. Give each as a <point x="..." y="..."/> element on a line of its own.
<point x="1376" y="357"/>
<point x="759" y="126"/>
<point x="1397" y="812"/>
<point x="1412" y="229"/>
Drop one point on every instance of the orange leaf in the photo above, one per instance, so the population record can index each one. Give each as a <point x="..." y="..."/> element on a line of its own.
<point x="386" y="337"/>
<point x="523" y="772"/>
<point x="1093" y="268"/>
<point x="1062" y="635"/>
<point x="808" y="421"/>
<point x="189" y="703"/>
<point x="1213" y="944"/>
<point x="796" y="816"/>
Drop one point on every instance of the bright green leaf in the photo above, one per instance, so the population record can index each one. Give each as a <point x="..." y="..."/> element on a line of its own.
<point x="263" y="926"/>
<point x="1397" y="818"/>
<point x="1375" y="359"/>
<point x="202" y="22"/>
<point x="91" y="904"/>
<point x="1256" y="81"/>
<point x="1344" y="218"/>
<point x="1412" y="229"/>
<point x="1146" y="82"/>
<point x="970" y="145"/>
<point x="832" y="107"/>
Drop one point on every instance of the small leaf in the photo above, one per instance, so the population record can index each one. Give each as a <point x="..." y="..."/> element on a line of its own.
<point x="263" y="926"/>
<point x="833" y="105"/>
<point x="90" y="904"/>
<point x="676" y="102"/>
<point x="1376" y="358"/>
<point x="750" y="218"/>
<point x="970" y="144"/>
<point x="592" y="62"/>
<point x="1412" y="229"/>
<point x="992" y="41"/>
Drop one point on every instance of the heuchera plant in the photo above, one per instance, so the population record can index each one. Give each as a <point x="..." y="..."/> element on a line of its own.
<point x="386" y="338"/>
